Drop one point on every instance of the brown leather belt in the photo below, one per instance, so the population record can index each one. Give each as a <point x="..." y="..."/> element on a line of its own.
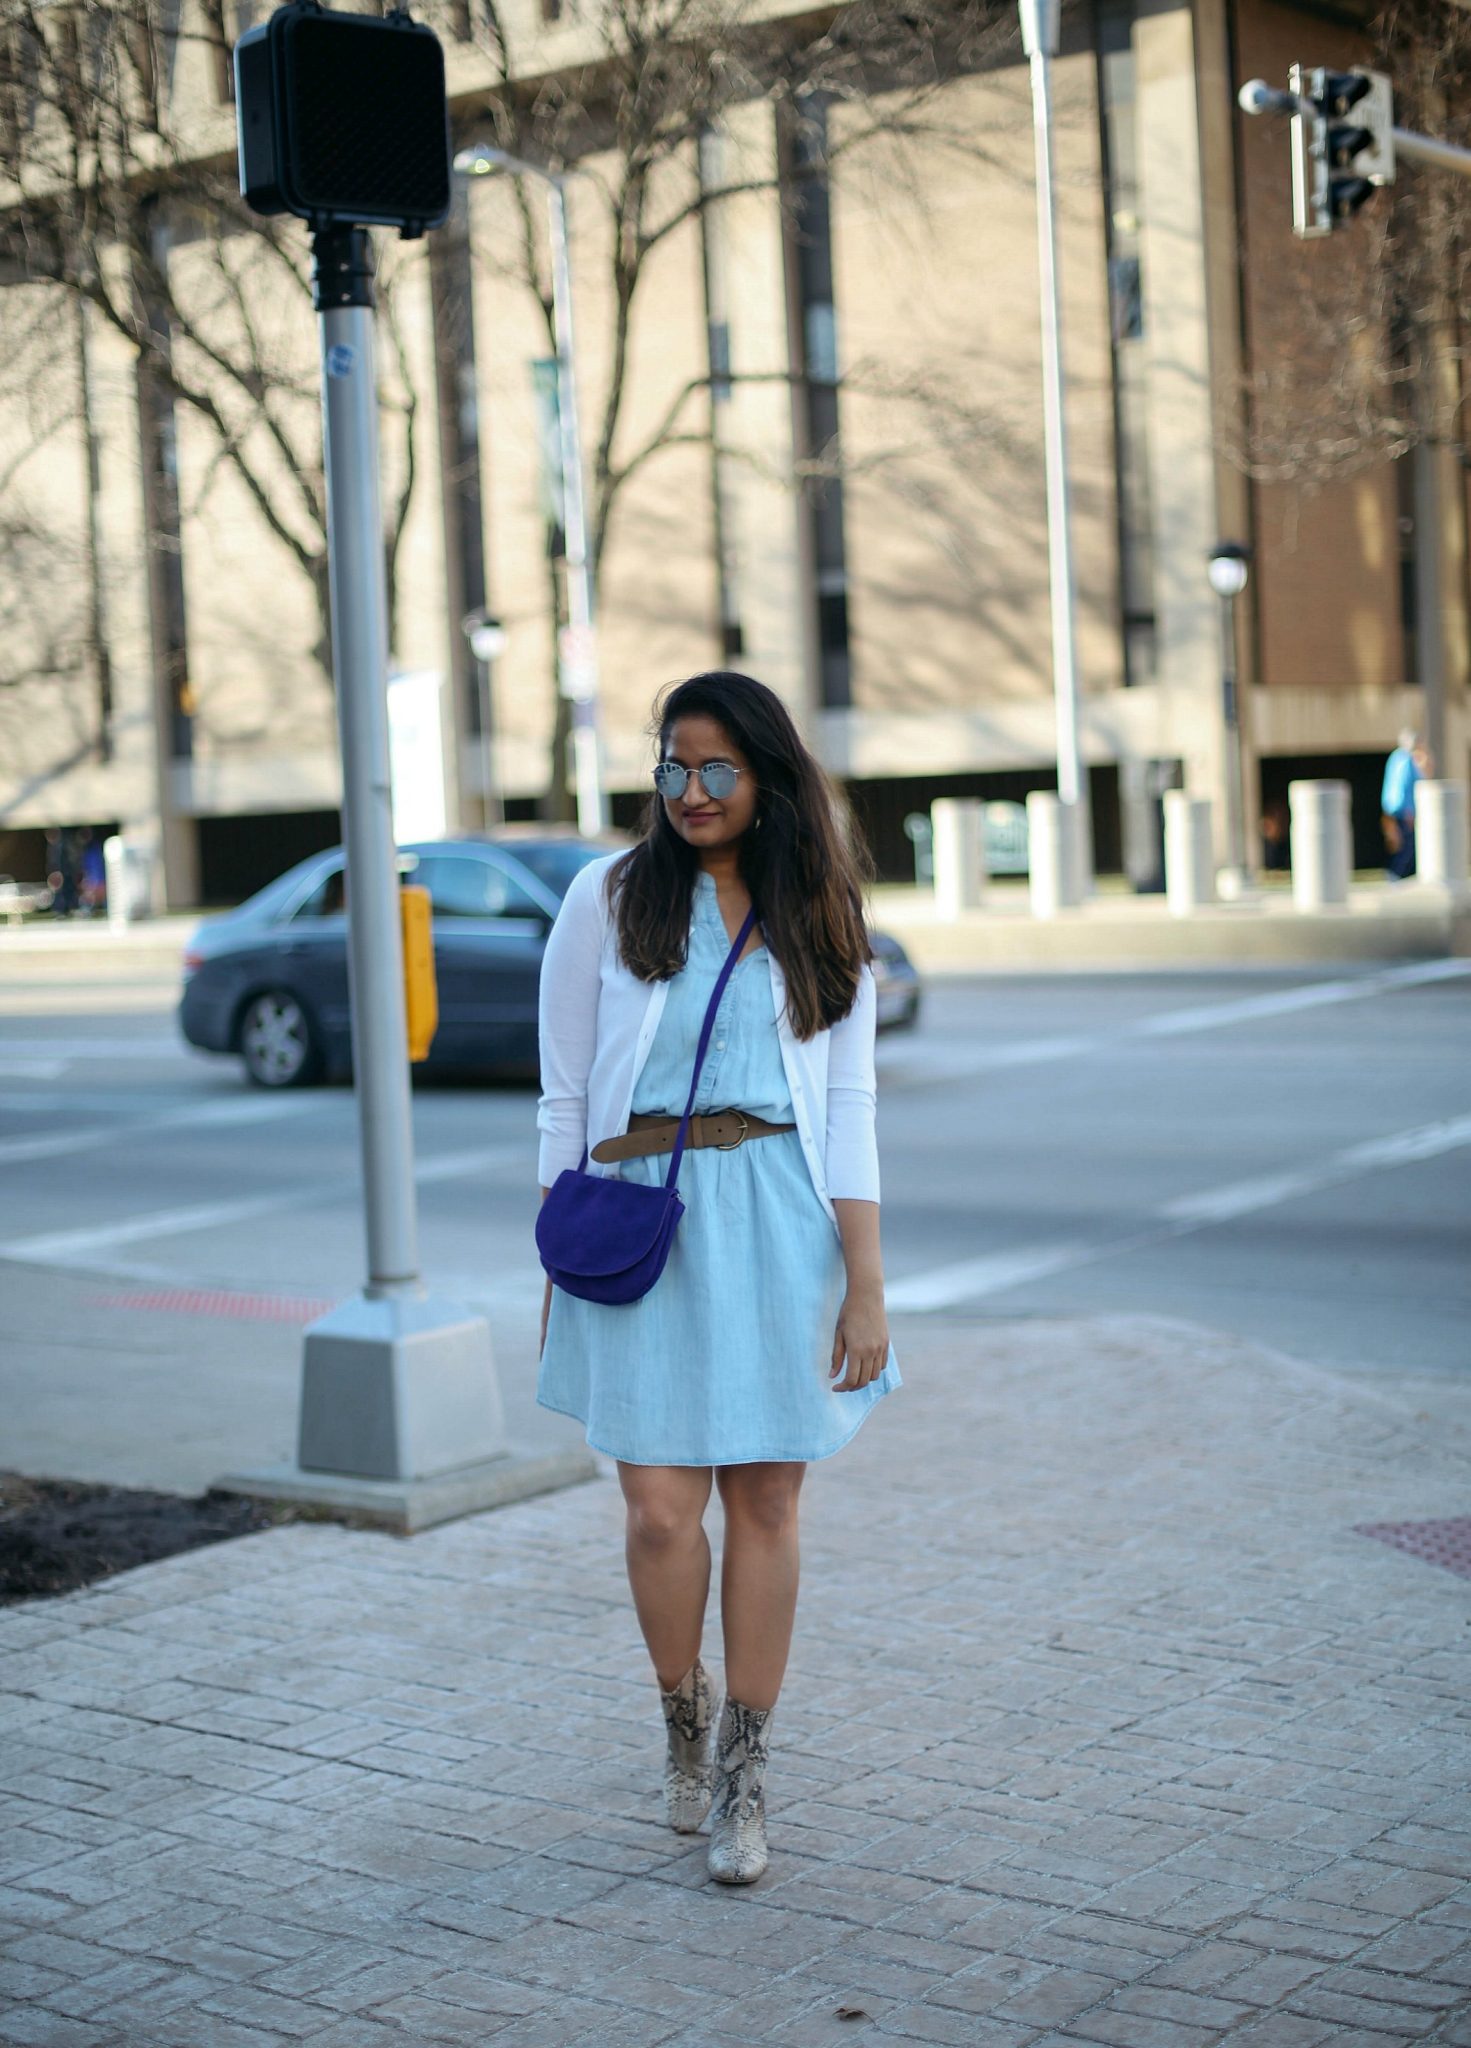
<point x="722" y="1128"/>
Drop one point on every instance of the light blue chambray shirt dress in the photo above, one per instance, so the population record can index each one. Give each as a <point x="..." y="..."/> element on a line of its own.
<point x="726" y="1359"/>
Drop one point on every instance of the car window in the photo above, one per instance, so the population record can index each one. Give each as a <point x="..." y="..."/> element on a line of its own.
<point x="461" y="885"/>
<point x="327" y="899"/>
<point x="556" y="861"/>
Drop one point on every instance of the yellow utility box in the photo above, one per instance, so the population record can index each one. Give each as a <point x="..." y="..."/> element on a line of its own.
<point x="421" y="991"/>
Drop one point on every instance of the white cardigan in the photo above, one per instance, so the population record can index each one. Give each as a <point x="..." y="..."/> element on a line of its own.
<point x="597" y="1023"/>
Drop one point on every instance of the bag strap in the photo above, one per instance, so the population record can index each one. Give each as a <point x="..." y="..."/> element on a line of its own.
<point x="706" y="1028"/>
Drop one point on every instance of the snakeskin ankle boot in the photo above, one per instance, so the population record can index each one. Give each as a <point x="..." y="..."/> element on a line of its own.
<point x="688" y="1712"/>
<point x="738" y="1820"/>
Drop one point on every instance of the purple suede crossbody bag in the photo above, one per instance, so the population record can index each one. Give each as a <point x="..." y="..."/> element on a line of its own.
<point x="607" y="1240"/>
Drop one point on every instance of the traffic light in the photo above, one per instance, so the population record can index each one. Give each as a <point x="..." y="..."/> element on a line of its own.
<point x="1342" y="144"/>
<point x="343" y="119"/>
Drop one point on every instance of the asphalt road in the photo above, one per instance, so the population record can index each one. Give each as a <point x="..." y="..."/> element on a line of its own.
<point x="1282" y="1155"/>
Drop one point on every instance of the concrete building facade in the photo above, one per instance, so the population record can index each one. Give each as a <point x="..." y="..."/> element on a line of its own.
<point x="833" y="388"/>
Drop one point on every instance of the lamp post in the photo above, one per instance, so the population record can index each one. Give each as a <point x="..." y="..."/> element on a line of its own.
<point x="1040" y="23"/>
<point x="1228" y="567"/>
<point x="486" y="637"/>
<point x="577" y="650"/>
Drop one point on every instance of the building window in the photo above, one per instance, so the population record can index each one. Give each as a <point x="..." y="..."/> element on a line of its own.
<point x="158" y="426"/>
<point x="713" y="178"/>
<point x="19" y="86"/>
<point x="1117" y="107"/>
<point x="815" y="345"/>
<point x="225" y="22"/>
<point x="1406" y="510"/>
<point x="459" y="440"/>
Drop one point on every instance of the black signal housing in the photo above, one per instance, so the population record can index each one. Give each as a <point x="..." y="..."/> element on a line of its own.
<point x="343" y="119"/>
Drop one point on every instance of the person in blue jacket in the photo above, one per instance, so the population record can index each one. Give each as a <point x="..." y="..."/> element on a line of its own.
<point x="1397" y="806"/>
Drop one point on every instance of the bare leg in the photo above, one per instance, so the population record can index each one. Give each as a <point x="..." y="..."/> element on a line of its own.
<point x="758" y="1583"/>
<point x="668" y="1556"/>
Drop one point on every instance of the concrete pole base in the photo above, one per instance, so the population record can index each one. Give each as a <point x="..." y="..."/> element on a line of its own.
<point x="1441" y="840"/>
<point x="404" y="1506"/>
<point x="1189" y="880"/>
<point x="1055" y="867"/>
<point x="1321" y="844"/>
<point x="959" y="841"/>
<point x="398" y="1389"/>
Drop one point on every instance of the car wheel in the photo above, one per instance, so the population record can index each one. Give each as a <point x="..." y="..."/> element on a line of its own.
<point x="277" y="1041"/>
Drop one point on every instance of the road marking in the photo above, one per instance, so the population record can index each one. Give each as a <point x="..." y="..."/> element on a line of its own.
<point x="1284" y="1002"/>
<point x="1240" y="1198"/>
<point x="172" y="1049"/>
<point x="203" y="1116"/>
<point x="69" y="1247"/>
<point x="79" y="1248"/>
<point x="970" y="1280"/>
<point x="32" y="1070"/>
<point x="937" y="1063"/>
<point x="934" y="1065"/>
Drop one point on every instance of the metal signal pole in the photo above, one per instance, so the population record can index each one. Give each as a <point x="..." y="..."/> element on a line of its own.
<point x="1040" y="19"/>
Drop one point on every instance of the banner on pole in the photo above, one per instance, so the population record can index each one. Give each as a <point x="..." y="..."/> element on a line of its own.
<point x="549" y="439"/>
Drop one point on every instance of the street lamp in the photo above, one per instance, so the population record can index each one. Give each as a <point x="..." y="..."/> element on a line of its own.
<point x="486" y="637"/>
<point x="1228" y="567"/>
<point x="1040" y="27"/>
<point x="577" y="649"/>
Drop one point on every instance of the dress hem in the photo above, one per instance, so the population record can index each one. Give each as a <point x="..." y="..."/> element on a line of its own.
<point x="714" y="1464"/>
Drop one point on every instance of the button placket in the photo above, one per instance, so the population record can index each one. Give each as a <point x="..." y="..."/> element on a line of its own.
<point x="711" y="1072"/>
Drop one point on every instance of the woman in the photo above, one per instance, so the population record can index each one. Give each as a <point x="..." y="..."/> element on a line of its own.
<point x="764" y="1342"/>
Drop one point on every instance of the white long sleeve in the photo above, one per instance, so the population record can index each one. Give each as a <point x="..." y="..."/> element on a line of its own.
<point x="567" y="1022"/>
<point x="851" y="1151"/>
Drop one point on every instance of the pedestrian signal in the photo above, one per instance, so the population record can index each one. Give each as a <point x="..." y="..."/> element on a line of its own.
<point x="343" y="119"/>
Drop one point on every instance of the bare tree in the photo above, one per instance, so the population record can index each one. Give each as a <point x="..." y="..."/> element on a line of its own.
<point x="107" y="174"/>
<point x="662" y="75"/>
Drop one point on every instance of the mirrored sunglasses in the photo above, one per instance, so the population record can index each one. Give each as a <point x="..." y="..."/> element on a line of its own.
<point x="717" y="778"/>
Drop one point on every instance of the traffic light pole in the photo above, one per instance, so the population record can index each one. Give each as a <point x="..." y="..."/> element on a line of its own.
<point x="1039" y="19"/>
<point x="344" y="289"/>
<point x="1425" y="149"/>
<point x="1344" y="146"/>
<point x="395" y="1385"/>
<point x="400" y="1418"/>
<point x="579" y="673"/>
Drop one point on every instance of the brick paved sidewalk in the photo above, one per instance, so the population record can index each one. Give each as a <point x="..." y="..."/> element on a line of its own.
<point x="1103" y="1726"/>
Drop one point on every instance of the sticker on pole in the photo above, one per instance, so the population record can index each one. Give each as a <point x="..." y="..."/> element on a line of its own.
<point x="577" y="659"/>
<point x="341" y="359"/>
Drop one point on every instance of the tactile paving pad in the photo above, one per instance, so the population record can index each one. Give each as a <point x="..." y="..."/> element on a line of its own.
<point x="219" y="1301"/>
<point x="1447" y="1544"/>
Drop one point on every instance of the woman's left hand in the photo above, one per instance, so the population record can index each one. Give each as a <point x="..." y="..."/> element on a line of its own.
<point x="862" y="1337"/>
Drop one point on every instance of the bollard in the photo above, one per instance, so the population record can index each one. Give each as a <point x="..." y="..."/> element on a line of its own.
<point x="1190" y="879"/>
<point x="128" y="863"/>
<point x="959" y="841"/>
<point x="1321" y="846"/>
<point x="1441" y="849"/>
<point x="1053" y="864"/>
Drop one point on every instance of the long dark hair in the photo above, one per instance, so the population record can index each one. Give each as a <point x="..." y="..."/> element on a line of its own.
<point x="802" y="860"/>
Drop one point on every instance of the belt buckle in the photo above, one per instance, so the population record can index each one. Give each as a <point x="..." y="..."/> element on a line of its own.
<point x="745" y="1126"/>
